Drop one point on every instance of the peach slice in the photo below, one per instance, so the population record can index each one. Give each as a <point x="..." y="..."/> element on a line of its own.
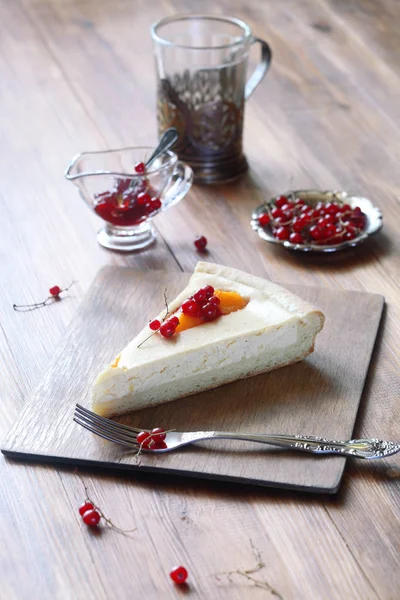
<point x="229" y="302"/>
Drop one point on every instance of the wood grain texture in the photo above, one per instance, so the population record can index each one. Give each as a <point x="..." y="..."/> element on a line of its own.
<point x="78" y="75"/>
<point x="319" y="396"/>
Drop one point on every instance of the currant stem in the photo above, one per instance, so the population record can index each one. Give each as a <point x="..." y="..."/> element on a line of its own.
<point x="34" y="306"/>
<point x="95" y="507"/>
<point x="164" y="318"/>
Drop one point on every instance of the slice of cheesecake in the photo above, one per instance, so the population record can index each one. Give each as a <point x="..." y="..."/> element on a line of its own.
<point x="256" y="326"/>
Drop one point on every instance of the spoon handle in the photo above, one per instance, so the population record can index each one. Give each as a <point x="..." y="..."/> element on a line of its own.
<point x="167" y="140"/>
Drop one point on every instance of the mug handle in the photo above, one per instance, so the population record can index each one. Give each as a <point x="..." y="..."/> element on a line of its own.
<point x="260" y="70"/>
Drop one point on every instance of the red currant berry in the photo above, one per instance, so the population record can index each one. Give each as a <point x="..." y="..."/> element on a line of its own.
<point x="143" y="199"/>
<point x="329" y="219"/>
<point x="288" y="214"/>
<point x="276" y="212"/>
<point x="304" y="208"/>
<point x="191" y="308"/>
<point x="214" y="300"/>
<point x="85" y="507"/>
<point x="349" y="235"/>
<point x="329" y="230"/>
<point x="200" y="297"/>
<point x="179" y="575"/>
<point x="287" y="207"/>
<point x="122" y="185"/>
<point x="351" y="229"/>
<point x="330" y="208"/>
<point x="154" y="325"/>
<point x="281" y="220"/>
<point x="346" y="208"/>
<point x="316" y="233"/>
<point x="296" y="238"/>
<point x="305" y="219"/>
<point x="209" y="290"/>
<point x="282" y="233"/>
<point x="264" y="219"/>
<point x="142" y="437"/>
<point x="167" y="329"/>
<point x="174" y="321"/>
<point x="158" y="434"/>
<point x="297" y="225"/>
<point x="299" y="202"/>
<point x="140" y="167"/>
<point x="160" y="446"/>
<point x="55" y="290"/>
<point x="91" y="518"/>
<point x="280" y="201"/>
<point x="200" y="243"/>
<point x="156" y="204"/>
<point x="209" y="311"/>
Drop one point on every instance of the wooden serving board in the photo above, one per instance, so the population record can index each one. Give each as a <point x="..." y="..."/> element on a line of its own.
<point x="319" y="396"/>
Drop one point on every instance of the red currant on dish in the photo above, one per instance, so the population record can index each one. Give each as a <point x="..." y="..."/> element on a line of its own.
<point x="179" y="575"/>
<point x="143" y="199"/>
<point x="329" y="230"/>
<point x="85" y="507"/>
<point x="140" y="168"/>
<point x="264" y="219"/>
<point x="155" y="325"/>
<point x="298" y="224"/>
<point x="91" y="517"/>
<point x="277" y="212"/>
<point x="296" y="238"/>
<point x="280" y="201"/>
<point x="316" y="233"/>
<point x="200" y="243"/>
<point x="282" y="233"/>
<point x="156" y="204"/>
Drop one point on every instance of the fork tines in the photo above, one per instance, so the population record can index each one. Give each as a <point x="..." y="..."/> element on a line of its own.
<point x="105" y="428"/>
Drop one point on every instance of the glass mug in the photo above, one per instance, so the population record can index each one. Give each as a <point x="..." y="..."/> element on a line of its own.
<point x="201" y="66"/>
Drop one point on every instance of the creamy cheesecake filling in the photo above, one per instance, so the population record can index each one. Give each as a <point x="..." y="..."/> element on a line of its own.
<point x="275" y="328"/>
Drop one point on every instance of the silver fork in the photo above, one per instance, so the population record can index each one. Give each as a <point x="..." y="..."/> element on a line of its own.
<point x="126" y="436"/>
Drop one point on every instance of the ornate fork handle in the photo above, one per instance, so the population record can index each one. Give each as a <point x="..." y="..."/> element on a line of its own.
<point x="363" y="448"/>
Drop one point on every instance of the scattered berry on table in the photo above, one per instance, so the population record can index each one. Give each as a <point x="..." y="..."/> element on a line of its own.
<point x="91" y="518"/>
<point x="85" y="507"/>
<point x="55" y="290"/>
<point x="179" y="575"/>
<point x="200" y="243"/>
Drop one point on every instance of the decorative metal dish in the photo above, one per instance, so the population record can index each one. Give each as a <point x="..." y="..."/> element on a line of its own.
<point x="372" y="214"/>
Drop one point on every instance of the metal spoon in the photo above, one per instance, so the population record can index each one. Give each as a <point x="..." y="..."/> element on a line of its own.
<point x="167" y="140"/>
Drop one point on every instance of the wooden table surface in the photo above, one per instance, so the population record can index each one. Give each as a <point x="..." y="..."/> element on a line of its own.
<point x="79" y="75"/>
